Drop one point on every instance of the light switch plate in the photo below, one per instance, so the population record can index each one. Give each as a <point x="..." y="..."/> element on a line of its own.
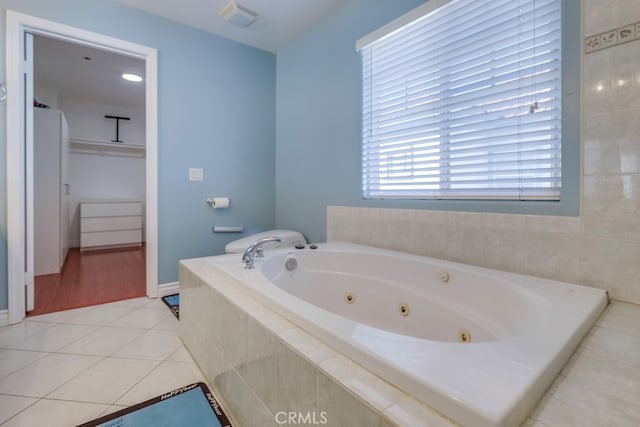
<point x="196" y="174"/>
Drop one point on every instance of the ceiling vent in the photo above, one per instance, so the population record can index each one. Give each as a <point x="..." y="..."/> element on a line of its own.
<point x="237" y="15"/>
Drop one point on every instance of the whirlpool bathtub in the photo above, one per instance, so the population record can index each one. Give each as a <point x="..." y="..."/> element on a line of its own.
<point x="478" y="345"/>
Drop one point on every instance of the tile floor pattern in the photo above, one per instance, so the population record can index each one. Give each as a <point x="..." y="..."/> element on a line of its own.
<point x="66" y="368"/>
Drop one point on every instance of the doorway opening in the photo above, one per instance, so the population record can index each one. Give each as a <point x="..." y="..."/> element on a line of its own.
<point x="84" y="160"/>
<point x="20" y="195"/>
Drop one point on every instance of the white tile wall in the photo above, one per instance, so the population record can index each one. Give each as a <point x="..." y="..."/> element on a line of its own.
<point x="569" y="249"/>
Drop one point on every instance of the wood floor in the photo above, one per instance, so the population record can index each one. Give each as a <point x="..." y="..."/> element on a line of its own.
<point x="90" y="278"/>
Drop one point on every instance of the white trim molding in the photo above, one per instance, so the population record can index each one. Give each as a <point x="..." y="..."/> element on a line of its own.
<point x="168" y="289"/>
<point x="17" y="25"/>
<point x="4" y="318"/>
<point x="420" y="11"/>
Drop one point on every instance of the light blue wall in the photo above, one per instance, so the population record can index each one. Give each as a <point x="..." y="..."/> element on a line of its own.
<point x="216" y="111"/>
<point x="318" y="122"/>
<point x="318" y="87"/>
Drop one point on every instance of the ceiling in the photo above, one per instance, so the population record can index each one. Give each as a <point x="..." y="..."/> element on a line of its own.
<point x="63" y="66"/>
<point x="280" y="22"/>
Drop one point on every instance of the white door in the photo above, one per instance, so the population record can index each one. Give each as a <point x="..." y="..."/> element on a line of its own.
<point x="47" y="191"/>
<point x="65" y="189"/>
<point x="27" y="70"/>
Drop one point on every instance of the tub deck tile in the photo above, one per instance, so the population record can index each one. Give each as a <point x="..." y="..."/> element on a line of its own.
<point x="620" y="378"/>
<point x="601" y="383"/>
<point x="270" y="320"/>
<point x="307" y="345"/>
<point x="369" y="387"/>
<point x="569" y="403"/>
<point x="410" y="412"/>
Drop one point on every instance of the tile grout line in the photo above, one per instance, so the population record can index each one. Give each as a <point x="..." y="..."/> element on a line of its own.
<point x="99" y="358"/>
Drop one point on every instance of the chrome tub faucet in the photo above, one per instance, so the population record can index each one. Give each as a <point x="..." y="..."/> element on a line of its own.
<point x="256" y="250"/>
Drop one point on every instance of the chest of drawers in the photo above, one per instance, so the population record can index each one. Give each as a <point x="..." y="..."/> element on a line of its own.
<point x="110" y="223"/>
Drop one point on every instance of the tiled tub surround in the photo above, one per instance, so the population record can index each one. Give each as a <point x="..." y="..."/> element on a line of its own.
<point x="522" y="329"/>
<point x="262" y="364"/>
<point x="568" y="249"/>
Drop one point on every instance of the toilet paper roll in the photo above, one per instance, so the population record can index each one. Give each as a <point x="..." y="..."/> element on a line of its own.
<point x="221" y="202"/>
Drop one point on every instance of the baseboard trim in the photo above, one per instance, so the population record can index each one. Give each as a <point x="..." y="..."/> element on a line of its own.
<point x="4" y="317"/>
<point x="168" y="289"/>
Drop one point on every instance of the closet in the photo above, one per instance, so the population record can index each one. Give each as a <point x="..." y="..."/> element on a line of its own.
<point x="89" y="177"/>
<point x="51" y="190"/>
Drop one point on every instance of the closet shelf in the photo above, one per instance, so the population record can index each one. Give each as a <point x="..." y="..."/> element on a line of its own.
<point x="82" y="145"/>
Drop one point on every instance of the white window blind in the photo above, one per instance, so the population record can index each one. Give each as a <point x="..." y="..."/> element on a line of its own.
<point x="465" y="103"/>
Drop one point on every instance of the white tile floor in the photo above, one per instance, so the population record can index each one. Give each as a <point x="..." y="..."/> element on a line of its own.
<point x="66" y="368"/>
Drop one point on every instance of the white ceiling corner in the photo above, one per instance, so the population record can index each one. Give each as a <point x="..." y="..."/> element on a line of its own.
<point x="280" y="22"/>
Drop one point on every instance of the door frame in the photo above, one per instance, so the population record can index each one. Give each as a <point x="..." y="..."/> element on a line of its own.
<point x="17" y="24"/>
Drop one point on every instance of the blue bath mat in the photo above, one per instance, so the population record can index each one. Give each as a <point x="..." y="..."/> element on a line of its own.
<point x="173" y="302"/>
<point x="193" y="405"/>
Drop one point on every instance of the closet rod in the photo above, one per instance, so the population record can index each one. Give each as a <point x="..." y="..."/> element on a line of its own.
<point x="117" y="119"/>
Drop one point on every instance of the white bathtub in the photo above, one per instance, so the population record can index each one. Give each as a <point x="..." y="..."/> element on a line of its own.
<point x="478" y="345"/>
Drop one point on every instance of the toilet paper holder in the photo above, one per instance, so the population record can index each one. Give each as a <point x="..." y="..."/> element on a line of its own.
<point x="219" y="202"/>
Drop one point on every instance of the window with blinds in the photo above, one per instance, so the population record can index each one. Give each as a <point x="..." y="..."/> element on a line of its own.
<point x="464" y="102"/>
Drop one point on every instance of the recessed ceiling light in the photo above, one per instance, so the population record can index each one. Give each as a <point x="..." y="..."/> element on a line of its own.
<point x="132" y="77"/>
